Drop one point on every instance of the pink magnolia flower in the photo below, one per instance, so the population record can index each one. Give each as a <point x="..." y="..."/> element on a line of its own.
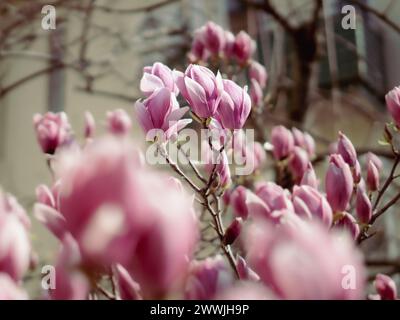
<point x="258" y="73"/>
<point x="309" y="202"/>
<point x="118" y="122"/>
<point x="338" y="183"/>
<point x="156" y="77"/>
<point x="348" y="223"/>
<point x="256" y="155"/>
<point x="128" y="289"/>
<point x="229" y="44"/>
<point x="256" y="93"/>
<point x="207" y="278"/>
<point x="298" y="162"/>
<point x="305" y="262"/>
<point x="309" y="144"/>
<point x="244" y="271"/>
<point x="201" y="89"/>
<point x="109" y="208"/>
<point x="375" y="160"/>
<point x="372" y="176"/>
<point x="274" y="196"/>
<point x="45" y="196"/>
<point x="346" y="150"/>
<point x="244" y="47"/>
<point x="238" y="202"/>
<point x="70" y="281"/>
<point x="234" y="106"/>
<point x="246" y="290"/>
<point x="363" y="206"/>
<point x="15" y="248"/>
<point x="282" y="141"/>
<point x="233" y="231"/>
<point x="9" y="290"/>
<point x="213" y="37"/>
<point x="52" y="130"/>
<point x="385" y="287"/>
<point x="161" y="111"/>
<point x="90" y="125"/>
<point x="198" y="51"/>
<point x="310" y="178"/>
<point x="393" y="104"/>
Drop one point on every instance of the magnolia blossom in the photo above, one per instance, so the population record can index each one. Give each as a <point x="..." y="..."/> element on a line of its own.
<point x="161" y="111"/>
<point x="309" y="178"/>
<point x="201" y="89"/>
<point x="213" y="37"/>
<point x="198" y="51"/>
<point x="244" y="47"/>
<point x="9" y="289"/>
<point x="298" y="162"/>
<point x="385" y="287"/>
<point x="90" y="125"/>
<point x="234" y="106"/>
<point x="309" y="202"/>
<point x="346" y="150"/>
<point x="15" y="248"/>
<point x="338" y="183"/>
<point x="282" y="141"/>
<point x="229" y="44"/>
<point x="156" y="77"/>
<point x="363" y="206"/>
<point x="207" y="278"/>
<point x="109" y="209"/>
<point x="238" y="202"/>
<point x="258" y="73"/>
<point x="348" y="223"/>
<point x="393" y="104"/>
<point x="118" y="122"/>
<point x="372" y="176"/>
<point x="256" y="93"/>
<point x="52" y="130"/>
<point x="305" y="262"/>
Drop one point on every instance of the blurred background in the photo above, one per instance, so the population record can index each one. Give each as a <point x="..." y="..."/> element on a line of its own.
<point x="322" y="78"/>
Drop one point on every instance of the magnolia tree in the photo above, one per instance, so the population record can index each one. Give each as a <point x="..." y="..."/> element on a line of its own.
<point x="211" y="226"/>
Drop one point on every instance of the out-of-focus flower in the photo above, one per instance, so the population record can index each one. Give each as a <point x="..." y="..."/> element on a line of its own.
<point x="363" y="206"/>
<point x="309" y="202"/>
<point x="161" y="111"/>
<point x="213" y="37"/>
<point x="385" y="287"/>
<point x="238" y="202"/>
<point x="346" y="149"/>
<point x="356" y="172"/>
<point x="244" y="271"/>
<point x="51" y="218"/>
<point x="298" y="161"/>
<point x="305" y="262"/>
<point x="309" y="143"/>
<point x="338" y="183"/>
<point x="207" y="278"/>
<point x="257" y="155"/>
<point x="233" y="231"/>
<point x="229" y="44"/>
<point x="109" y="208"/>
<point x="256" y="93"/>
<point x="70" y="282"/>
<point x="90" y="125"/>
<point x="372" y="176"/>
<point x="244" y="47"/>
<point x="201" y="89"/>
<point x="310" y="178"/>
<point x="258" y="73"/>
<point x="393" y="104"/>
<point x="45" y="196"/>
<point x="246" y="290"/>
<point x="198" y="51"/>
<point x="375" y="160"/>
<point x="128" y="289"/>
<point x="234" y="106"/>
<point x="275" y="197"/>
<point x="348" y="223"/>
<point x="156" y="77"/>
<point x="118" y="122"/>
<point x="9" y="290"/>
<point x="52" y="130"/>
<point x="15" y="248"/>
<point x="282" y="141"/>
